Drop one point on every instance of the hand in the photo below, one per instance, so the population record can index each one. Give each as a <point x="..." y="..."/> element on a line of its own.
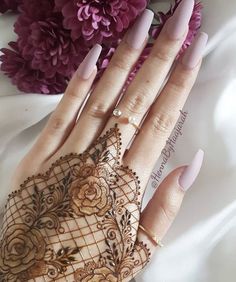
<point x="78" y="218"/>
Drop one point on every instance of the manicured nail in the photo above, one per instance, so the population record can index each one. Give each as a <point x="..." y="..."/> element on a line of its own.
<point x="191" y="171"/>
<point x="139" y="31"/>
<point x="194" y="53"/>
<point x="178" y="23"/>
<point x="87" y="66"/>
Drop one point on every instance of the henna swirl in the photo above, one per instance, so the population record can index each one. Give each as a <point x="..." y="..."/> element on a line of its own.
<point x="76" y="222"/>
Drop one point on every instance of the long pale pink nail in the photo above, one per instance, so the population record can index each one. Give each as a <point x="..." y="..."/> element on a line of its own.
<point x="87" y="66"/>
<point x="194" y="53"/>
<point x="191" y="171"/>
<point x="139" y="31"/>
<point x="177" y="25"/>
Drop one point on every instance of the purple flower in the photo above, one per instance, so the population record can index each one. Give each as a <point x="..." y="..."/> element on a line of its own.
<point x="105" y="57"/>
<point x="194" y="24"/>
<point x="25" y="77"/>
<point x="99" y="21"/>
<point x="3" y="7"/>
<point x="36" y="10"/>
<point x="44" y="40"/>
<point x="6" y="5"/>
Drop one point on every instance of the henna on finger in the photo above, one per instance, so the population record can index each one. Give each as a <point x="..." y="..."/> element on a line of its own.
<point x="77" y="221"/>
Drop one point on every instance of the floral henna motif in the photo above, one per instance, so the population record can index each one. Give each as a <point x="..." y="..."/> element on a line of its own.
<point x="21" y="249"/>
<point x="90" y="196"/>
<point x="95" y="272"/>
<point x="77" y="221"/>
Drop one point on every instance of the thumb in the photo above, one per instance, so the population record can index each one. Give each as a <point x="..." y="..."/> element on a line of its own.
<point x="162" y="209"/>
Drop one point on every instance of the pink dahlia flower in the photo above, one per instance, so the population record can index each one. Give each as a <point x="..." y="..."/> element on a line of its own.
<point x="50" y="47"/>
<point x="44" y="40"/>
<point x="36" y="9"/>
<point x="25" y="77"/>
<point x="194" y="24"/>
<point x="99" y="21"/>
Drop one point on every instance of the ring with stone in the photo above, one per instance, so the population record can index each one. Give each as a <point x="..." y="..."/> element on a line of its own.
<point x="131" y="120"/>
<point x="117" y="112"/>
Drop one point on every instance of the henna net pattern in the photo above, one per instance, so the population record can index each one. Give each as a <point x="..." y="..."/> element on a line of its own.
<point x="76" y="222"/>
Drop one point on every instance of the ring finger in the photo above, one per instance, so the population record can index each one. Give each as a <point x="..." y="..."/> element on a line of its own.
<point x="143" y="90"/>
<point x="165" y="112"/>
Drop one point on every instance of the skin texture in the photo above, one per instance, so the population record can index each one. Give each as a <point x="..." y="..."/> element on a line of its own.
<point x="88" y="146"/>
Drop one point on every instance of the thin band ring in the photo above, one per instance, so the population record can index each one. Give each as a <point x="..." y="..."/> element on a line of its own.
<point x="131" y="120"/>
<point x="151" y="236"/>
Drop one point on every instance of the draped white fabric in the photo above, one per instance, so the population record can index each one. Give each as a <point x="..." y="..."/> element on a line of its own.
<point x="200" y="246"/>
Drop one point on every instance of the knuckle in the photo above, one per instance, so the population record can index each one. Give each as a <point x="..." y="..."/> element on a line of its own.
<point x="56" y="123"/>
<point x="73" y="95"/>
<point x="138" y="103"/>
<point x="121" y="63"/>
<point x="162" y="122"/>
<point x="97" y="110"/>
<point x="168" y="210"/>
<point x="75" y="90"/>
<point x="162" y="54"/>
<point x="178" y="85"/>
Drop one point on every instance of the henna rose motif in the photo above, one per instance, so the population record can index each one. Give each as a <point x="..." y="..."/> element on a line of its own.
<point x="84" y="171"/>
<point x="20" y="249"/>
<point x="102" y="274"/>
<point x="90" y="196"/>
<point x="79" y="192"/>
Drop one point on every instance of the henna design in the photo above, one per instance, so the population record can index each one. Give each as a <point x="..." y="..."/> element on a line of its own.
<point x="90" y="196"/>
<point x="76" y="222"/>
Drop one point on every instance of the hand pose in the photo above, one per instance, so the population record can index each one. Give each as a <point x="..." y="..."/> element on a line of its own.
<point x="78" y="218"/>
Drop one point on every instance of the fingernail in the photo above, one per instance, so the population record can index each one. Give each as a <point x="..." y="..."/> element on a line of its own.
<point x="139" y="31"/>
<point x="178" y="23"/>
<point x="87" y="66"/>
<point x="191" y="171"/>
<point x="194" y="53"/>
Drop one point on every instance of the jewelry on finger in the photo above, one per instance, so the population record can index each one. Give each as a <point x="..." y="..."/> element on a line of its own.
<point x="151" y="236"/>
<point x="132" y="121"/>
<point x="117" y="112"/>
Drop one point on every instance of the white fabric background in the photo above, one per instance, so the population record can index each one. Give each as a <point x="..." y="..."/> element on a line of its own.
<point x="201" y="245"/>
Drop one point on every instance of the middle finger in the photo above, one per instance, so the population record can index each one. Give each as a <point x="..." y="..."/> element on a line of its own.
<point x="149" y="80"/>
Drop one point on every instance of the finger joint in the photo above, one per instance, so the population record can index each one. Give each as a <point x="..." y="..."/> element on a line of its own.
<point x="56" y="124"/>
<point x="164" y="55"/>
<point x="97" y="110"/>
<point x="121" y="64"/>
<point x="138" y="103"/>
<point x="162" y="123"/>
<point x="168" y="210"/>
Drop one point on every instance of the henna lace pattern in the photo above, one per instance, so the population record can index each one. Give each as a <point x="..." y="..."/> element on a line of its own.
<point x="76" y="222"/>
